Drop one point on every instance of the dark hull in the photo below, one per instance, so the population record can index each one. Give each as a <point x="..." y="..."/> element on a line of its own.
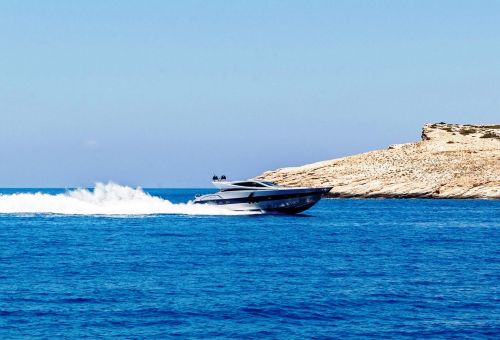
<point x="291" y="210"/>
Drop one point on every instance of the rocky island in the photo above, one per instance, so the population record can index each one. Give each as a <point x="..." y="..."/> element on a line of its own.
<point x="451" y="161"/>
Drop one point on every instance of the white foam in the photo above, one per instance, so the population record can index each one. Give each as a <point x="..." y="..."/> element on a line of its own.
<point x="104" y="199"/>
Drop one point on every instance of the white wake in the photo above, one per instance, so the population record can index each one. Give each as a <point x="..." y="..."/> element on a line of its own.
<point x="104" y="199"/>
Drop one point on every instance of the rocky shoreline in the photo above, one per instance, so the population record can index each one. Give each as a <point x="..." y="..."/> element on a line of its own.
<point x="451" y="161"/>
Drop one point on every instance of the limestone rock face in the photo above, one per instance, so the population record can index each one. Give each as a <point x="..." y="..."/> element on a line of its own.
<point x="451" y="161"/>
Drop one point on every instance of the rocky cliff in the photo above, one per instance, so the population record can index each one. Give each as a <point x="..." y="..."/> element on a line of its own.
<point x="451" y="161"/>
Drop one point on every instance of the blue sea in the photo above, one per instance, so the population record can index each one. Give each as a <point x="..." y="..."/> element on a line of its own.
<point x="75" y="264"/>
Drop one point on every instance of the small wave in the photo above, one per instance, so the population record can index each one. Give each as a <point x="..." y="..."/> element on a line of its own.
<point x="104" y="199"/>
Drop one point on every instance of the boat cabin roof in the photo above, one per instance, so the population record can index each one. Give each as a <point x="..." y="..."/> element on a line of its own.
<point x="244" y="185"/>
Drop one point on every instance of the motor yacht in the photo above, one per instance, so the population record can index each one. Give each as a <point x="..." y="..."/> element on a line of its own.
<point x="261" y="196"/>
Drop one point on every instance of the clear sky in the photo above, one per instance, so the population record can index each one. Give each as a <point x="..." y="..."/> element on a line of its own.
<point x="166" y="93"/>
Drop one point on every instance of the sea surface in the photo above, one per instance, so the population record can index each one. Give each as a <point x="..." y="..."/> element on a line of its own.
<point x="344" y="269"/>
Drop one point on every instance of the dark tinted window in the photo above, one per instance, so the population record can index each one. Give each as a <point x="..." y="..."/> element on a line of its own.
<point x="249" y="184"/>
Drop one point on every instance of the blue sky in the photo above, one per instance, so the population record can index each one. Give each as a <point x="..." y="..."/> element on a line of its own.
<point x="164" y="93"/>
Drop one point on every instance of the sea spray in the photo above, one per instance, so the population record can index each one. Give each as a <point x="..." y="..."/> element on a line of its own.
<point x="104" y="199"/>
